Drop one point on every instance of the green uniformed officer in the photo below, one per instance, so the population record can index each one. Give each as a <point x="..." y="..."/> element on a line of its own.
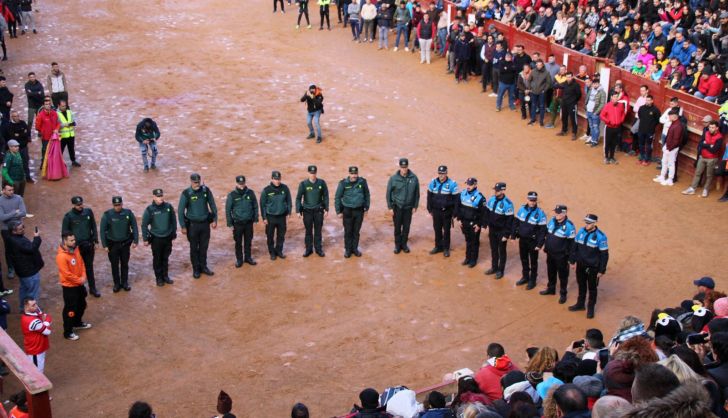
<point x="275" y="206"/>
<point x="159" y="229"/>
<point x="197" y="212"/>
<point x="312" y="203"/>
<point x="241" y="212"/>
<point x="351" y="203"/>
<point x="403" y="198"/>
<point x="119" y="234"/>
<point x="82" y="223"/>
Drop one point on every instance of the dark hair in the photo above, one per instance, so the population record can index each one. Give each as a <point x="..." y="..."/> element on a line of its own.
<point x="523" y="410"/>
<point x="674" y="99"/>
<point x="649" y="96"/>
<point x="719" y="340"/>
<point x="436" y="399"/>
<point x="566" y="371"/>
<point x="645" y="86"/>
<point x="570" y="73"/>
<point x="595" y="338"/>
<point x="26" y="300"/>
<point x="520" y="397"/>
<point x="54" y="63"/>
<point x="664" y="343"/>
<point x="569" y="398"/>
<point x="20" y="400"/>
<point x="690" y="358"/>
<point x="66" y="234"/>
<point x="299" y="411"/>
<point x="31" y="73"/>
<point x="713" y="122"/>
<point x="653" y="380"/>
<point x="7" y="184"/>
<point x="531" y="351"/>
<point x="140" y="410"/>
<point x="495" y="350"/>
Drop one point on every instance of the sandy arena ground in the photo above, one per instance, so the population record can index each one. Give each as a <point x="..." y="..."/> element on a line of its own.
<point x="223" y="81"/>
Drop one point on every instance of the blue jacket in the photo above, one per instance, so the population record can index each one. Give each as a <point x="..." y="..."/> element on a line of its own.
<point x="530" y="223"/>
<point x="591" y="249"/>
<point x="442" y="196"/>
<point x="471" y="207"/>
<point x="438" y="413"/>
<point x="560" y="238"/>
<point x="500" y="216"/>
<point x="684" y="55"/>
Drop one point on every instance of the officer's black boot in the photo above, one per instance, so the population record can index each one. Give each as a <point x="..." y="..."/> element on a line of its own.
<point x="590" y="311"/>
<point x="238" y="263"/>
<point x="579" y="306"/>
<point x="160" y="282"/>
<point x="307" y="252"/>
<point x="562" y="299"/>
<point x="547" y="291"/>
<point x="522" y="281"/>
<point x="531" y="284"/>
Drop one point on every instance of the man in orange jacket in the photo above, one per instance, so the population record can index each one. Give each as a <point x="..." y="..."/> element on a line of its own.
<point x="72" y="276"/>
<point x="612" y="115"/>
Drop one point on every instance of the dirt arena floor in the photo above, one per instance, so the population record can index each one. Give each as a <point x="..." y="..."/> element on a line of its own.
<point x="223" y="81"/>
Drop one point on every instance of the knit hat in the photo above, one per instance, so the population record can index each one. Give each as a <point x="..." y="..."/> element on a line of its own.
<point x="618" y="378"/>
<point x="369" y="398"/>
<point x="667" y="326"/>
<point x="224" y="403"/>
<point x="720" y="307"/>
<point x="512" y="378"/>
<point x="701" y="317"/>
<point x="590" y="385"/>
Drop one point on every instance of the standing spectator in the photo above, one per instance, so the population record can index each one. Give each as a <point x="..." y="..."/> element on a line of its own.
<point x="147" y="134"/>
<point x="507" y="82"/>
<point x="461" y="51"/>
<point x="487" y="52"/>
<point x="57" y="85"/>
<point x="81" y="222"/>
<point x="314" y="99"/>
<point x="46" y="123"/>
<point x="324" y="13"/>
<point x="68" y="131"/>
<point x="35" y="93"/>
<point x="6" y="100"/>
<point x="26" y="260"/>
<point x="649" y="118"/>
<point x="670" y="148"/>
<point x="442" y="33"/>
<point x="708" y="154"/>
<point x="401" y="21"/>
<point x="384" y="20"/>
<point x="368" y="14"/>
<point x="13" y="168"/>
<point x="540" y="83"/>
<point x="302" y="11"/>
<point x="498" y="58"/>
<point x="12" y="208"/>
<point x="282" y="6"/>
<point x="425" y="33"/>
<point x="19" y="131"/>
<point x="556" y="93"/>
<point x="723" y="171"/>
<point x="523" y="87"/>
<point x="36" y="327"/>
<point x="119" y="233"/>
<point x="26" y="15"/>
<point x="72" y="276"/>
<point x="353" y="11"/>
<point x="596" y="97"/>
<point x="11" y="15"/>
<point x="570" y="98"/>
<point x="612" y="115"/>
<point x="403" y="198"/>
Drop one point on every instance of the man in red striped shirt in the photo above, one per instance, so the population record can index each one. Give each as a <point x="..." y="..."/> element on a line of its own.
<point x="36" y="327"/>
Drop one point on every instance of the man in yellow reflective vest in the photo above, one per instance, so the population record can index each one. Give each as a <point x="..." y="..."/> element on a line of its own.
<point x="68" y="131"/>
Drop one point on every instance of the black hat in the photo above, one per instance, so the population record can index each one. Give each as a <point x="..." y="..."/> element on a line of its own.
<point x="532" y="196"/>
<point x="560" y="208"/>
<point x="158" y="192"/>
<point x="312" y="169"/>
<point x="116" y="200"/>
<point x="240" y="179"/>
<point x="403" y="162"/>
<point x="667" y="326"/>
<point x="590" y="218"/>
<point x="500" y="186"/>
<point x="275" y="175"/>
<point x="705" y="281"/>
<point x="195" y="177"/>
<point x="353" y="170"/>
<point x="76" y="200"/>
<point x="442" y="169"/>
<point x="471" y="181"/>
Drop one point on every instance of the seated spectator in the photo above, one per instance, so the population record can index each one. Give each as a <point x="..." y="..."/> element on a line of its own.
<point x="672" y="67"/>
<point x="369" y="408"/>
<point x="620" y="52"/>
<point x="592" y="388"/>
<point x="682" y="49"/>
<point x="571" y="402"/>
<point x="299" y="411"/>
<point x="138" y="410"/>
<point x="628" y="62"/>
<point x="687" y="401"/>
<point x="709" y="86"/>
<point x="644" y="56"/>
<point x="639" y="68"/>
<point x="705" y="286"/>
<point x="653" y="381"/>
<point x="655" y="73"/>
<point x="497" y="365"/>
<point x="468" y="392"/>
<point x="609" y="406"/>
<point x="437" y="406"/>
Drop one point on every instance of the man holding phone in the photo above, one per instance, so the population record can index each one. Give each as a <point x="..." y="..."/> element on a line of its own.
<point x="26" y="258"/>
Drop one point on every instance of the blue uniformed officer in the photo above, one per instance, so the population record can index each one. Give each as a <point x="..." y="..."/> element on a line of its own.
<point x="559" y="241"/>
<point x="351" y="203"/>
<point x="500" y="221"/>
<point x="470" y="213"/>
<point x="442" y="197"/>
<point x="529" y="227"/>
<point x="591" y="254"/>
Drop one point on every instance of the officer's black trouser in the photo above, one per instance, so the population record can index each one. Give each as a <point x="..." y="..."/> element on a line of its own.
<point x="74" y="305"/>
<point x="558" y="265"/>
<point x="402" y="220"/>
<point x="529" y="258"/>
<point x="472" y="241"/>
<point x="275" y="233"/>
<point x="198" y="234"/>
<point x="353" y="218"/>
<point x="568" y="113"/>
<point x="87" y="250"/>
<point x="243" y="236"/>
<point x="5" y="233"/>
<point x="586" y="278"/>
<point x="161" y="250"/>
<point x="119" y="253"/>
<point x="442" y="221"/>
<point x="497" y="251"/>
<point x="313" y="221"/>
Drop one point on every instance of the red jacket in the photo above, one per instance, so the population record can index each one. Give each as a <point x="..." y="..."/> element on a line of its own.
<point x="613" y="114"/>
<point x="46" y="123"/>
<point x="710" y="86"/>
<point x="489" y="377"/>
<point x="711" y="144"/>
<point x="35" y="332"/>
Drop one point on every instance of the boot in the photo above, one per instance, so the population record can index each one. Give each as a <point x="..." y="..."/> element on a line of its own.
<point x="547" y="291"/>
<point x="522" y="281"/>
<point x="579" y="306"/>
<point x="531" y="285"/>
<point x="724" y="198"/>
<point x="562" y="299"/>
<point x="590" y="312"/>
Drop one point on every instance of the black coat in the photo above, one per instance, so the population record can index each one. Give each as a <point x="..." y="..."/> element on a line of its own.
<point x="571" y="93"/>
<point x="25" y="255"/>
<point x="314" y="104"/>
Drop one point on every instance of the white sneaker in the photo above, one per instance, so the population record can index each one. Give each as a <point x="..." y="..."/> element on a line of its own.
<point x="658" y="179"/>
<point x="395" y="49"/>
<point x="406" y="49"/>
<point x="666" y="182"/>
<point x="6" y="292"/>
<point x="72" y="336"/>
<point x="705" y="193"/>
<point x="422" y="61"/>
<point x="492" y="95"/>
<point x="688" y="191"/>
<point x="84" y="325"/>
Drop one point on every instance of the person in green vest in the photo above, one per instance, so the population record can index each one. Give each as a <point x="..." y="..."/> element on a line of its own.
<point x="275" y="208"/>
<point x="159" y="229"/>
<point x="13" y="170"/>
<point x="68" y="131"/>
<point x="80" y="221"/>
<point x="324" y="13"/>
<point x="312" y="203"/>
<point x="241" y="212"/>
<point x="119" y="234"/>
<point x="351" y="203"/>
<point x="197" y="212"/>
<point x="403" y="197"/>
